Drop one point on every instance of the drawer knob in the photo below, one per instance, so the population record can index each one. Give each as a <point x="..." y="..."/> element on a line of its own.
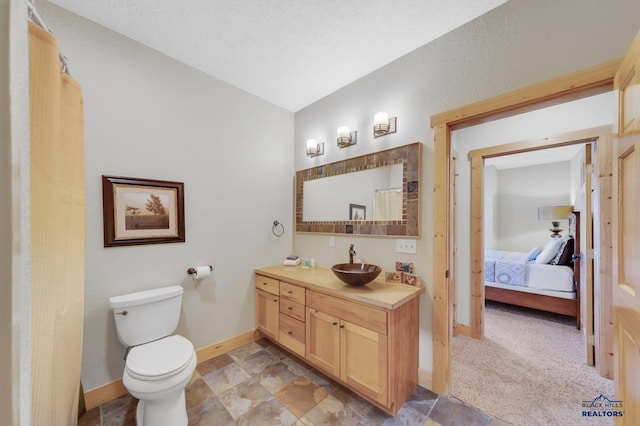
<point x="264" y="283"/>
<point x="289" y="332"/>
<point x="290" y="292"/>
<point x="275" y="300"/>
<point x="342" y="326"/>
<point x="290" y="307"/>
<point x="334" y="323"/>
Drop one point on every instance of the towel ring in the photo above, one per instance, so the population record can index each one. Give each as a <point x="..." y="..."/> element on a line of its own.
<point x="277" y="229"/>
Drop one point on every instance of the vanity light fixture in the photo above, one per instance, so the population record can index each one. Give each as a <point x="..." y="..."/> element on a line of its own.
<point x="314" y="148"/>
<point x="383" y="125"/>
<point x="345" y="137"/>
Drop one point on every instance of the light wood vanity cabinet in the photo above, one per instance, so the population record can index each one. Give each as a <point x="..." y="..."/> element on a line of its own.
<point x="268" y="306"/>
<point x="354" y="354"/>
<point x="369" y="348"/>
<point x="292" y="319"/>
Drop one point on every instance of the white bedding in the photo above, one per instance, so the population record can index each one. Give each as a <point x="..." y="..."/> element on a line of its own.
<point x="549" y="277"/>
<point x="525" y="274"/>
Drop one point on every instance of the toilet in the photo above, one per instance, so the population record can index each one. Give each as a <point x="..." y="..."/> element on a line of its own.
<point x="158" y="365"/>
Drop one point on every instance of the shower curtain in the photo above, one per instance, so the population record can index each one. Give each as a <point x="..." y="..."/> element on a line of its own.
<point x="387" y="204"/>
<point x="57" y="233"/>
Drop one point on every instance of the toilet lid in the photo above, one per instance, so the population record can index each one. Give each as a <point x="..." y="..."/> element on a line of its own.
<point x="159" y="359"/>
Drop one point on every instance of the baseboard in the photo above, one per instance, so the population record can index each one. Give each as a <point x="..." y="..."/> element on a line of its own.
<point x="110" y="391"/>
<point x="462" y="329"/>
<point x="425" y="378"/>
<point x="98" y="396"/>
<point x="225" y="346"/>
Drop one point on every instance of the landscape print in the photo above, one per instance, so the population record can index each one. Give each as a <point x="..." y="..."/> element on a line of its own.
<point x="142" y="211"/>
<point x="146" y="211"/>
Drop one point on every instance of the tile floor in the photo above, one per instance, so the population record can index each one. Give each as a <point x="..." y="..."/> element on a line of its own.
<point x="259" y="384"/>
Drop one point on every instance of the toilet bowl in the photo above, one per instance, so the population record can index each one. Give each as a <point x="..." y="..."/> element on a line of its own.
<point x="156" y="373"/>
<point x="158" y="365"/>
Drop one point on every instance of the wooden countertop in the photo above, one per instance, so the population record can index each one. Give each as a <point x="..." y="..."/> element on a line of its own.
<point x="377" y="293"/>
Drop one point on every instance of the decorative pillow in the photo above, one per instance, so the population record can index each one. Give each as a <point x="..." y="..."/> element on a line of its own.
<point x="565" y="253"/>
<point x="549" y="251"/>
<point x="533" y="253"/>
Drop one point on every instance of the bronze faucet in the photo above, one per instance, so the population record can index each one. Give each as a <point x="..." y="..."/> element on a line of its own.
<point x="352" y="253"/>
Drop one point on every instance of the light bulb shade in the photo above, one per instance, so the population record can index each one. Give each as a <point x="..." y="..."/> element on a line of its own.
<point x="343" y="132"/>
<point x="312" y="146"/>
<point x="380" y="124"/>
<point x="554" y="212"/>
<point x="380" y="118"/>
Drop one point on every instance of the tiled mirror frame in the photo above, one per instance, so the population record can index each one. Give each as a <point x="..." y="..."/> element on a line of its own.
<point x="411" y="158"/>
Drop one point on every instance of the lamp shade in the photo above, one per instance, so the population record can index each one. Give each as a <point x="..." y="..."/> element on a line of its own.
<point x="343" y="132"/>
<point x="380" y="118"/>
<point x="312" y="146"/>
<point x="554" y="212"/>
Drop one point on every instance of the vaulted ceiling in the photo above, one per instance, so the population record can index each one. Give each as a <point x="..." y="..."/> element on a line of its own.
<point x="288" y="52"/>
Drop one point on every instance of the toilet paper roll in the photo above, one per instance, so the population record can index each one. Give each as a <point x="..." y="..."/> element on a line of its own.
<point x="202" y="272"/>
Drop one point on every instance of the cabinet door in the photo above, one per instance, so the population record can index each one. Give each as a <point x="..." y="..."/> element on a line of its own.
<point x="267" y="313"/>
<point x="627" y="81"/>
<point x="323" y="341"/>
<point x="363" y="361"/>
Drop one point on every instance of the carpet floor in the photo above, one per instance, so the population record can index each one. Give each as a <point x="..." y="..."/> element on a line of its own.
<point x="529" y="369"/>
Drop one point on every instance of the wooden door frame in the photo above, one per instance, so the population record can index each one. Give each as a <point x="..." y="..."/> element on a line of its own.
<point x="477" y="158"/>
<point x="576" y="85"/>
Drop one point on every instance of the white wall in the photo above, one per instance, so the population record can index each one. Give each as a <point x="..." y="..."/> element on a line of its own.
<point x="501" y="51"/>
<point x="15" y="260"/>
<point x="521" y="190"/>
<point x="6" y="255"/>
<point x="149" y="116"/>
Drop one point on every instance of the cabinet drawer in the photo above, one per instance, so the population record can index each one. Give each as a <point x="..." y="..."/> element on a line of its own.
<point x="291" y="308"/>
<point x="267" y="284"/>
<point x="372" y="318"/>
<point x="292" y="292"/>
<point x="292" y="334"/>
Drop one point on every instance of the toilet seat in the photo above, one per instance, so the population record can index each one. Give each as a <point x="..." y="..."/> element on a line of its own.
<point x="159" y="359"/>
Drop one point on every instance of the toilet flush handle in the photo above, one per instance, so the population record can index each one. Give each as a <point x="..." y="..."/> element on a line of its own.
<point x="122" y="313"/>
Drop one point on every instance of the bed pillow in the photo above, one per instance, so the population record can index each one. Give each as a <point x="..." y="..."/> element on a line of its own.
<point x="549" y="251"/>
<point x="564" y="255"/>
<point x="533" y="253"/>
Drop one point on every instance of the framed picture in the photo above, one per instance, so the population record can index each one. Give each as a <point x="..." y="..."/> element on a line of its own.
<point x="404" y="267"/>
<point x="142" y="211"/>
<point x="411" y="279"/>
<point x="357" y="212"/>
<point x="393" y="277"/>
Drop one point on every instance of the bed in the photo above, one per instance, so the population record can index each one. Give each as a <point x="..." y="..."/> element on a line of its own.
<point x="546" y="281"/>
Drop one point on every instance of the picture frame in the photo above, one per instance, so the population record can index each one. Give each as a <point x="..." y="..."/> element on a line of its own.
<point x="404" y="267"/>
<point x="410" y="279"/>
<point x="357" y="212"/>
<point x="140" y="211"/>
<point x="393" y="277"/>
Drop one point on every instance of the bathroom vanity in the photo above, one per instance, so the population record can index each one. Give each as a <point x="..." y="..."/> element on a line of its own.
<point x="363" y="337"/>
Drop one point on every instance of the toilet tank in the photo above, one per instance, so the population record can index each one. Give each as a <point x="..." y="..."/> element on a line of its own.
<point x="147" y="315"/>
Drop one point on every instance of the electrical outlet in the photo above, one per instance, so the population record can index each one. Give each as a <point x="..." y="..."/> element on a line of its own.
<point x="332" y="241"/>
<point x="405" y="246"/>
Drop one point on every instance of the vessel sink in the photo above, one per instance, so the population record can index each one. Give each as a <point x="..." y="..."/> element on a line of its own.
<point x="356" y="274"/>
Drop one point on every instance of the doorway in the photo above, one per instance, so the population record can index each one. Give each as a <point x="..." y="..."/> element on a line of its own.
<point x="594" y="80"/>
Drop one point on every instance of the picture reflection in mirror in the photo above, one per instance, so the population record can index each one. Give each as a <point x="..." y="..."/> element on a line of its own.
<point x="379" y="190"/>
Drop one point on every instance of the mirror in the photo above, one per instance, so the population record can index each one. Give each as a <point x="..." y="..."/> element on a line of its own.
<point x="374" y="194"/>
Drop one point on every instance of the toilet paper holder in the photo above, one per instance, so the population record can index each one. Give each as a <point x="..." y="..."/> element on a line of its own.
<point x="192" y="271"/>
